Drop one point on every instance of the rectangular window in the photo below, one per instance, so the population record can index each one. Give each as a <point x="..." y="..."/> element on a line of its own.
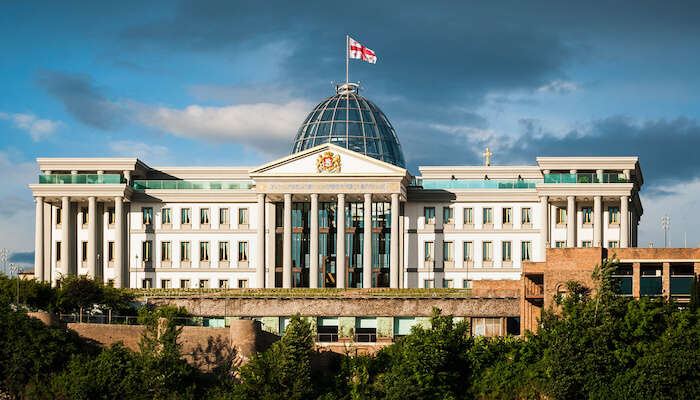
<point x="204" y="283"/>
<point x="147" y="215"/>
<point x="428" y="283"/>
<point x="560" y="244"/>
<point x="466" y="283"/>
<point x="242" y="251"/>
<point x="203" y="251"/>
<point x="447" y="283"/>
<point x="487" y="248"/>
<point x="204" y="216"/>
<point x="223" y="251"/>
<point x="110" y="251"/>
<point x="506" y="247"/>
<point x="526" y="250"/>
<point x="59" y="216"/>
<point x="613" y="215"/>
<point x="186" y="216"/>
<point x="84" y="214"/>
<point x="166" y="216"/>
<point x="242" y="283"/>
<point x="223" y="216"/>
<point x="165" y="284"/>
<point x="110" y="282"/>
<point x="468" y="251"/>
<point x="146" y="283"/>
<point x="184" y="283"/>
<point x="507" y="215"/>
<point x="448" y="251"/>
<point x="428" y="250"/>
<point x="448" y="215"/>
<point x="429" y="214"/>
<point x="184" y="251"/>
<point x="146" y="248"/>
<point x="526" y="215"/>
<point x="83" y="251"/>
<point x="110" y="216"/>
<point x="613" y="244"/>
<point x="587" y="215"/>
<point x="468" y="216"/>
<point x="243" y="216"/>
<point x="165" y="251"/>
<point x="487" y="216"/>
<point x="586" y="243"/>
<point x="561" y="216"/>
<point x="223" y="283"/>
<point x="58" y="251"/>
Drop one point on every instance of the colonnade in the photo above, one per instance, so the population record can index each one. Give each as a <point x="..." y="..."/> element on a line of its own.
<point x="341" y="269"/>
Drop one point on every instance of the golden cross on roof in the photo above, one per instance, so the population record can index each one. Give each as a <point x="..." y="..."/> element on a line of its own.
<point x="487" y="155"/>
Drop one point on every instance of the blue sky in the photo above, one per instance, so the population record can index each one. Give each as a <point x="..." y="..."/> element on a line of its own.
<point x="227" y="83"/>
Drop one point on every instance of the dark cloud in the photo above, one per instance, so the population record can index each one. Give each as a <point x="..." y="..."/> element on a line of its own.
<point x="82" y="98"/>
<point x="23" y="258"/>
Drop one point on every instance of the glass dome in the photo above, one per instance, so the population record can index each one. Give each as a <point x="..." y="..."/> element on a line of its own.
<point x="353" y="122"/>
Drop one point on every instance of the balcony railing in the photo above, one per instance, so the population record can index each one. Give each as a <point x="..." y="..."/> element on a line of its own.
<point x="585" y="178"/>
<point x="480" y="184"/>
<point x="191" y="185"/>
<point x="97" y="179"/>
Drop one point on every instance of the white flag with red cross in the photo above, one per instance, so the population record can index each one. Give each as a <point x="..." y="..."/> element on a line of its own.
<point x="357" y="50"/>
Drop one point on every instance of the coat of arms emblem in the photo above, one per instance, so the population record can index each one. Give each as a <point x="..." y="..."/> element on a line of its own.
<point x="328" y="162"/>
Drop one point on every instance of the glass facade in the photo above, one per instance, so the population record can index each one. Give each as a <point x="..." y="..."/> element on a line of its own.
<point x="353" y="122"/>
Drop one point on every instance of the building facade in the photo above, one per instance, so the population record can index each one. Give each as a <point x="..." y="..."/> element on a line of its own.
<point x="343" y="190"/>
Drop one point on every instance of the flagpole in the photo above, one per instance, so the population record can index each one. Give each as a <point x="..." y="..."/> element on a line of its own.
<point x="347" y="58"/>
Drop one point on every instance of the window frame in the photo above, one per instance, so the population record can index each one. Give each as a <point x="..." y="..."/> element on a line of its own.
<point x="507" y="245"/>
<point x="186" y="216"/>
<point x="147" y="215"/>
<point x="429" y="250"/>
<point x="487" y="215"/>
<point x="526" y="211"/>
<point x="243" y="216"/>
<point x="429" y="215"/>
<point x="468" y="212"/>
<point x="507" y="215"/>
<point x="484" y="246"/>
<point x="468" y="251"/>
<point x="243" y="252"/>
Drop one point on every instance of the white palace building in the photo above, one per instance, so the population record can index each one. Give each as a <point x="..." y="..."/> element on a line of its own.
<point x="340" y="211"/>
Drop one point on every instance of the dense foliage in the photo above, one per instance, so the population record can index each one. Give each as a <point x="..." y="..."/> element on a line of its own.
<point x="591" y="344"/>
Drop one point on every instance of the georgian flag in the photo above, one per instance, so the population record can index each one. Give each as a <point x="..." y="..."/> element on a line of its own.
<point x="357" y="50"/>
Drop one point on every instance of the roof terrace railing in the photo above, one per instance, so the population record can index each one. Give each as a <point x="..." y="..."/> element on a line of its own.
<point x="480" y="184"/>
<point x="585" y="178"/>
<point x="191" y="185"/>
<point x="97" y="179"/>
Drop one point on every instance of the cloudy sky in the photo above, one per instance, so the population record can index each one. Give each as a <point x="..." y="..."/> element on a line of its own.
<point x="228" y="82"/>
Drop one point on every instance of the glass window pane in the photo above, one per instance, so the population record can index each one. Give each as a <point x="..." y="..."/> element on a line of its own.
<point x="324" y="129"/>
<point x="357" y="144"/>
<point x="341" y="114"/>
<point x="338" y="129"/>
<point x="327" y="115"/>
<point x="352" y="103"/>
<point x="371" y="130"/>
<point x="353" y="115"/>
<point x="320" y="140"/>
<point x="372" y="146"/>
<point x="354" y="129"/>
<point x="367" y="116"/>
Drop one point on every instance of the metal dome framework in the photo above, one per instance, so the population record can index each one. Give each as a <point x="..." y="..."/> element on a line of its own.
<point x="353" y="122"/>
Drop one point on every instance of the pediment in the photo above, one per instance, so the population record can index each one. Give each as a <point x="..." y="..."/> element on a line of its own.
<point x="328" y="160"/>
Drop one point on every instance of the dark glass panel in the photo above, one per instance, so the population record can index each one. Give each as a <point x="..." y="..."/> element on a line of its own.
<point x="352" y="103"/>
<point x="324" y="129"/>
<point x="353" y="115"/>
<point x="320" y="140"/>
<point x="341" y="114"/>
<point x="371" y="130"/>
<point x="357" y="144"/>
<point x="327" y="115"/>
<point x="372" y="146"/>
<point x="367" y="116"/>
<point x="354" y="129"/>
<point x="338" y="129"/>
<point x="340" y="141"/>
<point x="311" y="131"/>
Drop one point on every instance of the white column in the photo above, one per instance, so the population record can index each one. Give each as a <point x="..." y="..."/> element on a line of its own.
<point x="597" y="222"/>
<point x="118" y="242"/>
<point x="271" y="243"/>
<point x="287" y="247"/>
<point x="394" y="255"/>
<point x="260" y="245"/>
<point x="624" y="221"/>
<point x="571" y="221"/>
<point x="65" y="235"/>
<point x="544" y="228"/>
<point x="340" y="271"/>
<point x="92" y="237"/>
<point x="367" y="251"/>
<point x="39" y="240"/>
<point x="313" y="247"/>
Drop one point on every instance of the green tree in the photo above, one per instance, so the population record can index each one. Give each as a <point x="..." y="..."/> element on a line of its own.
<point x="284" y="370"/>
<point x="78" y="293"/>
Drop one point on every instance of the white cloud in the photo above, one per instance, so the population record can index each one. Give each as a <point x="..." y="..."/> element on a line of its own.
<point x="558" y="86"/>
<point x="151" y="154"/>
<point x="37" y="128"/>
<point x="16" y="204"/>
<point x="265" y="126"/>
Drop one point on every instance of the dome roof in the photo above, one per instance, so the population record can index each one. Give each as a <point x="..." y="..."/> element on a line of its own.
<point x="353" y="122"/>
